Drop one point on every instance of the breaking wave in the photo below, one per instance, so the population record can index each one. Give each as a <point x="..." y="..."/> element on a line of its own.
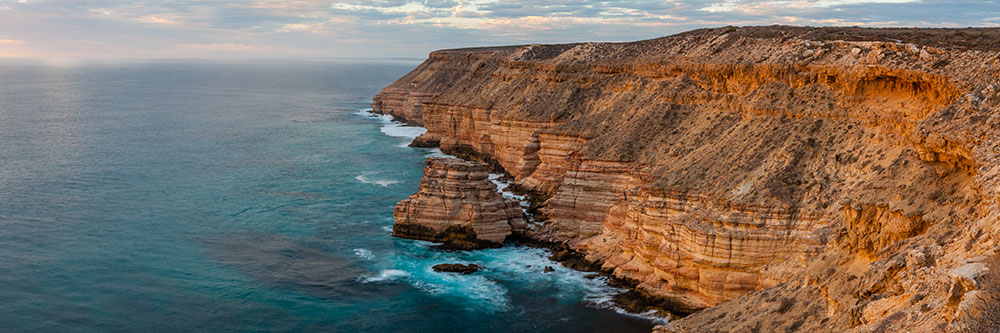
<point x="380" y="182"/>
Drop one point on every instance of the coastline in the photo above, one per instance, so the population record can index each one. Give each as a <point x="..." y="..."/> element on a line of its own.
<point x="629" y="301"/>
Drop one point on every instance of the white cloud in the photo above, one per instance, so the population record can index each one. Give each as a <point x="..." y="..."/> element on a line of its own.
<point x="831" y="3"/>
<point x="156" y="19"/>
<point x="414" y="27"/>
<point x="758" y="5"/>
<point x="721" y="7"/>
<point x="297" y="27"/>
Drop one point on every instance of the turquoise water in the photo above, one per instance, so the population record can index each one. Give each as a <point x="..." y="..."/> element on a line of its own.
<point x="252" y="196"/>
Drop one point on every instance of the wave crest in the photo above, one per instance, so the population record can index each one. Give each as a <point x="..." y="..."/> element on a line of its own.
<point x="386" y="275"/>
<point x="365" y="254"/>
<point x="379" y="182"/>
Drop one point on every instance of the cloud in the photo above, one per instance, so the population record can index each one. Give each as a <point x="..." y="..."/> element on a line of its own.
<point x="156" y="19"/>
<point x="411" y="28"/>
<point x="525" y="17"/>
<point x="11" y="41"/>
<point x="224" y="47"/>
<point x="297" y="27"/>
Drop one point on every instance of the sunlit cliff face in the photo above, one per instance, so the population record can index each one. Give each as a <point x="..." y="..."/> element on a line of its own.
<point x="712" y="164"/>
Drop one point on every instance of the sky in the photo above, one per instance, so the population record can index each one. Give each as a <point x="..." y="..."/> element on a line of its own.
<point x="411" y="29"/>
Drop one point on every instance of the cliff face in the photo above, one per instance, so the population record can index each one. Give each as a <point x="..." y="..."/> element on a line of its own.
<point x="459" y="206"/>
<point x="744" y="166"/>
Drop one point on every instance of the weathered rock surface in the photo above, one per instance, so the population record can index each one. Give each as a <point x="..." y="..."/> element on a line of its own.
<point x="459" y="206"/>
<point x="457" y="268"/>
<point x="781" y="178"/>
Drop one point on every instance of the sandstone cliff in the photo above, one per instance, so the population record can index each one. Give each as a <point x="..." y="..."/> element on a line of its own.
<point x="459" y="206"/>
<point x="784" y="178"/>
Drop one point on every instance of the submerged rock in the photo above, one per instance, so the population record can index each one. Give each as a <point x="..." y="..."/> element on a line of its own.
<point x="457" y="268"/>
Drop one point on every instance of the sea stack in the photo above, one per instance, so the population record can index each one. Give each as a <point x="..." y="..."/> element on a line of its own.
<point x="459" y="206"/>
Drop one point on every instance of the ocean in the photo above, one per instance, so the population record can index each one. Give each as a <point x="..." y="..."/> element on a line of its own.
<point x="243" y="196"/>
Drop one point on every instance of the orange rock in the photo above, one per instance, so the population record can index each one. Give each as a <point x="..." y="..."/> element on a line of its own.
<point x="726" y="169"/>
<point x="459" y="206"/>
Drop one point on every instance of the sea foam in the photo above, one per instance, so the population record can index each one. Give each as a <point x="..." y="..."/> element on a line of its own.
<point x="380" y="182"/>
<point x="402" y="131"/>
<point x="365" y="254"/>
<point x="386" y="275"/>
<point x="528" y="264"/>
<point x="436" y="152"/>
<point x="394" y="128"/>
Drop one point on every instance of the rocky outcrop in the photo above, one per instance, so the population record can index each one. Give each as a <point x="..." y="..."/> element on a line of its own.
<point x="457" y="268"/>
<point x="796" y="178"/>
<point x="458" y="205"/>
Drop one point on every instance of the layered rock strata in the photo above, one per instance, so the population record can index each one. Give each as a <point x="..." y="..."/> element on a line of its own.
<point x="458" y="205"/>
<point x="790" y="178"/>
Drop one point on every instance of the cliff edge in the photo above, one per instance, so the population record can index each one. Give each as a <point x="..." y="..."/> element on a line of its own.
<point x="769" y="178"/>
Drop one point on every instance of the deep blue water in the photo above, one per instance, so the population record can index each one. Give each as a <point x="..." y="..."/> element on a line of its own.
<point x="178" y="196"/>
